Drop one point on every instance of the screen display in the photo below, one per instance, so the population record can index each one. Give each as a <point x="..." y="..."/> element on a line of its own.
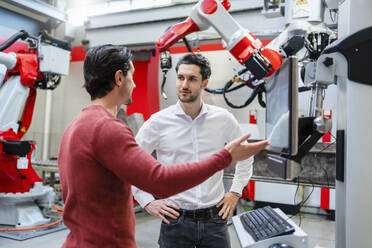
<point x="279" y="109"/>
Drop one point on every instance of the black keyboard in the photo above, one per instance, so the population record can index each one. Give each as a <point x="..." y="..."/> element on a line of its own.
<point x="264" y="223"/>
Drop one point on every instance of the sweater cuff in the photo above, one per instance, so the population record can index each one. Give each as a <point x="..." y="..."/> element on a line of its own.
<point x="226" y="156"/>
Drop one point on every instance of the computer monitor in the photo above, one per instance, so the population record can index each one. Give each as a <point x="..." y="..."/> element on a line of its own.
<point x="282" y="109"/>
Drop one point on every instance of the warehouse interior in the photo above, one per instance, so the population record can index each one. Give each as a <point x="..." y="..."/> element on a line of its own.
<point x="305" y="65"/>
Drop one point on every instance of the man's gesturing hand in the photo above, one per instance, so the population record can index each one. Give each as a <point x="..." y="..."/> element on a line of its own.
<point x="240" y="151"/>
<point x="162" y="208"/>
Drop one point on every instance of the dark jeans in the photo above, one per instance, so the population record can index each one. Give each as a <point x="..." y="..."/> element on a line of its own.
<point x="200" y="228"/>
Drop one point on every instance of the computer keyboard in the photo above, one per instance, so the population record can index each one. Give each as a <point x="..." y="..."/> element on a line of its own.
<point x="264" y="223"/>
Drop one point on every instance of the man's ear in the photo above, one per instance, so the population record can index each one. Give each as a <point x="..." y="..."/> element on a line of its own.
<point x="118" y="78"/>
<point x="205" y="84"/>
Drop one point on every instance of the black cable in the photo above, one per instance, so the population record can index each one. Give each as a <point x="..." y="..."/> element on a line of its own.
<point x="20" y="174"/>
<point x="298" y="205"/>
<point x="222" y="90"/>
<point x="325" y="148"/>
<point x="20" y="35"/>
<point x="326" y="175"/>
<point x="163" y="84"/>
<point x="258" y="89"/>
<point x="298" y="186"/>
<point x="301" y="203"/>
<point x="260" y="100"/>
<point x="242" y="71"/>
<point x="303" y="89"/>
<point x="312" y="190"/>
<point x="307" y="198"/>
<point x="187" y="45"/>
<point x="61" y="43"/>
<point x="230" y="82"/>
<point x="249" y="100"/>
<point x="294" y="198"/>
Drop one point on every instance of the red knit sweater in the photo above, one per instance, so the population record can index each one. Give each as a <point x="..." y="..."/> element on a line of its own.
<point x="98" y="162"/>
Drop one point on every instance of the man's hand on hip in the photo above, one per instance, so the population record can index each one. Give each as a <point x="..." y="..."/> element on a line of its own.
<point x="162" y="208"/>
<point x="228" y="203"/>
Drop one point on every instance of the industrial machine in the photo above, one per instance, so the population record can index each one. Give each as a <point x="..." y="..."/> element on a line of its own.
<point x="344" y="62"/>
<point x="303" y="30"/>
<point x="40" y="67"/>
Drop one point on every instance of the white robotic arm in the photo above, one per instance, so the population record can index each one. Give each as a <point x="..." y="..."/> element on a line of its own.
<point x="9" y="60"/>
<point x="246" y="48"/>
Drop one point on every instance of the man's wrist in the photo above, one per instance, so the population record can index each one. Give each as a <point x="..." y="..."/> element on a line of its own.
<point x="236" y="194"/>
<point x="148" y="204"/>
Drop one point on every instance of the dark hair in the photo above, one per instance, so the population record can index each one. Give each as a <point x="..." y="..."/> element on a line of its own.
<point x="199" y="60"/>
<point x="100" y="65"/>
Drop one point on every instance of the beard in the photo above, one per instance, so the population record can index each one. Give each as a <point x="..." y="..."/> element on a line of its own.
<point x="189" y="98"/>
<point x="129" y="98"/>
<point x="129" y="102"/>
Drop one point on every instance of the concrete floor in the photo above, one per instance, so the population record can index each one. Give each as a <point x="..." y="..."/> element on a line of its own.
<point x="320" y="231"/>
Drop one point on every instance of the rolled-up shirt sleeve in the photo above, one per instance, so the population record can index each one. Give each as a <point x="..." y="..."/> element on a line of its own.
<point x="244" y="168"/>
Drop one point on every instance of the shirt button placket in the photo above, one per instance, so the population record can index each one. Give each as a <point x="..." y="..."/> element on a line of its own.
<point x="196" y="158"/>
<point x="195" y="143"/>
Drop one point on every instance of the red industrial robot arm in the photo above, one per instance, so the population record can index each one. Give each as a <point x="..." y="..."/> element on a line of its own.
<point x="246" y="48"/>
<point x="27" y="69"/>
<point x="180" y="30"/>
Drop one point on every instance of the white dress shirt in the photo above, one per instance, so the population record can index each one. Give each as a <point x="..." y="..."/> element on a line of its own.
<point x="178" y="139"/>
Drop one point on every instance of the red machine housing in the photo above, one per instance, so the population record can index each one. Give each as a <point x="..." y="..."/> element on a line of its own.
<point x="13" y="180"/>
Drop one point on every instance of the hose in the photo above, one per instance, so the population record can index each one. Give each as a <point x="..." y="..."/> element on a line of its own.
<point x="20" y="35"/>
<point x="258" y="90"/>
<point x="61" y="43"/>
<point x="163" y="84"/>
<point x="58" y="210"/>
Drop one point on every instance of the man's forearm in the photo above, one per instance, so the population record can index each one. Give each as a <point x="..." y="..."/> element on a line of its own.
<point x="243" y="172"/>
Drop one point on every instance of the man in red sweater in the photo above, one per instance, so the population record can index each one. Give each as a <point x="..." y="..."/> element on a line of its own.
<point x="99" y="159"/>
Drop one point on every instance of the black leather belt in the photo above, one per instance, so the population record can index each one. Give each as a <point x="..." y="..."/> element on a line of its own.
<point x="201" y="214"/>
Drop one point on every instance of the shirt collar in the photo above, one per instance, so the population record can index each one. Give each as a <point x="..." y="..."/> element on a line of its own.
<point x="179" y="110"/>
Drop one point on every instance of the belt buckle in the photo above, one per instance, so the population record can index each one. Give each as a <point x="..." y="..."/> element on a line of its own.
<point x="199" y="215"/>
<point x="196" y="215"/>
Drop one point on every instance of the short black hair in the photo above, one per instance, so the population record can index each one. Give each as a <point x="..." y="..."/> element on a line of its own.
<point x="100" y="65"/>
<point x="199" y="60"/>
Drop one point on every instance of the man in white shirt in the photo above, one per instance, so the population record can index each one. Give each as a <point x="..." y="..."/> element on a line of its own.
<point x="190" y="131"/>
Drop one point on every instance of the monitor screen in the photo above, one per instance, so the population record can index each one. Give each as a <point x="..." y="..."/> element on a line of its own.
<point x="281" y="109"/>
